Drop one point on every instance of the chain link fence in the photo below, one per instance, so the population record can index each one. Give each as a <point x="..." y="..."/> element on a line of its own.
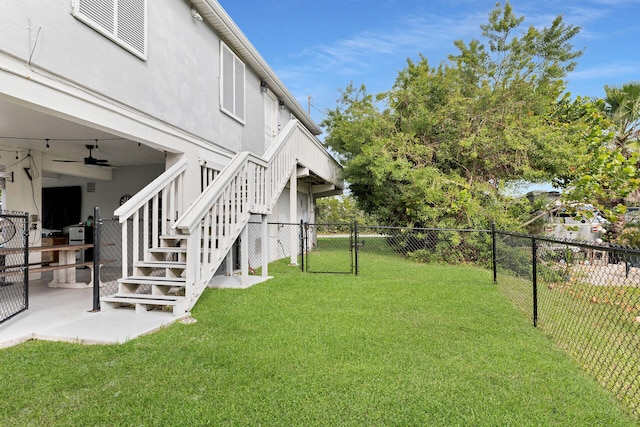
<point x="14" y="297"/>
<point x="328" y="248"/>
<point x="585" y="297"/>
<point x="111" y="254"/>
<point x="422" y="245"/>
<point x="283" y="240"/>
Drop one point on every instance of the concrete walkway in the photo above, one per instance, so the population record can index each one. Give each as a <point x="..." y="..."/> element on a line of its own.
<point x="58" y="314"/>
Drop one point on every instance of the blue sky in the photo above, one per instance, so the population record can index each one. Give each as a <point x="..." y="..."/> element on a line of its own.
<point x="319" y="46"/>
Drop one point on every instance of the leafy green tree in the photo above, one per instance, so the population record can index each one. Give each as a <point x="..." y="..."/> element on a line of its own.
<point x="439" y="146"/>
<point x="340" y="209"/>
<point x="608" y="174"/>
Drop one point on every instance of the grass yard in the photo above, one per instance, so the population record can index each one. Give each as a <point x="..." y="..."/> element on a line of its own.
<point x="403" y="344"/>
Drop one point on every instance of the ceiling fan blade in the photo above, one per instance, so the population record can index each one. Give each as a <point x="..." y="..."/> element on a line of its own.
<point x="88" y="161"/>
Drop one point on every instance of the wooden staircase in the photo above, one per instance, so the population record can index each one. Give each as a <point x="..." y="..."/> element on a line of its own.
<point x="158" y="282"/>
<point x="180" y="256"/>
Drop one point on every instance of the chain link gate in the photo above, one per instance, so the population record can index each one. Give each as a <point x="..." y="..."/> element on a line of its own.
<point x="14" y="264"/>
<point x="330" y="248"/>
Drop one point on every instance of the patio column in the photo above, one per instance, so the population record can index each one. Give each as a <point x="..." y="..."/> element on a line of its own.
<point x="293" y="215"/>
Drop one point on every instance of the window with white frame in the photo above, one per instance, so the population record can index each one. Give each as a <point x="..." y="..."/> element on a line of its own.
<point x="123" y="21"/>
<point x="231" y="83"/>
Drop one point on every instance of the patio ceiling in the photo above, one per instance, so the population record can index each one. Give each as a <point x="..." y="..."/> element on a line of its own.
<point x="24" y="129"/>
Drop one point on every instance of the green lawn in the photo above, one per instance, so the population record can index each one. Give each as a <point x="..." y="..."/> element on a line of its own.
<point x="401" y="344"/>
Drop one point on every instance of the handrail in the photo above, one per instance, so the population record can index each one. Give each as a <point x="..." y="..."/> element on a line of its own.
<point x="190" y="219"/>
<point x="125" y="211"/>
<point x="247" y="185"/>
<point x="276" y="147"/>
<point x="151" y="210"/>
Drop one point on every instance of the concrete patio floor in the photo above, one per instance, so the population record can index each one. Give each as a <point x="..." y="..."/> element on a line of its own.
<point x="59" y="314"/>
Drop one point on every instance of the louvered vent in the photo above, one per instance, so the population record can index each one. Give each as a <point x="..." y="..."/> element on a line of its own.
<point x="232" y="83"/>
<point x="100" y="11"/>
<point x="131" y="23"/>
<point x="123" y="21"/>
<point x="239" y="89"/>
<point x="227" y="80"/>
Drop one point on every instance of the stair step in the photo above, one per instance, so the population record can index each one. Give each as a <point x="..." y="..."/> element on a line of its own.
<point x="141" y="302"/>
<point x="148" y="298"/>
<point x="160" y="264"/>
<point x="152" y="280"/>
<point x="174" y="236"/>
<point x="173" y="240"/>
<point x="168" y="250"/>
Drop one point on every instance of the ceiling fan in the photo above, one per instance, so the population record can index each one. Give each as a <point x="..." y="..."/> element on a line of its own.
<point x="89" y="161"/>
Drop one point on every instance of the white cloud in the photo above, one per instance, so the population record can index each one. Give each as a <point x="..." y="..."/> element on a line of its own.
<point x="407" y="38"/>
<point x="610" y="71"/>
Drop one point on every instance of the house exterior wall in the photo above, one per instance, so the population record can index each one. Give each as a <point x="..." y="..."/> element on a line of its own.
<point x="53" y="63"/>
<point x="181" y="70"/>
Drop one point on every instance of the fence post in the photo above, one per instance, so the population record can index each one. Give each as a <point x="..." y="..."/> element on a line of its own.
<point x="493" y="252"/>
<point x="534" y="252"/>
<point x="25" y="236"/>
<point x="355" y="244"/>
<point x="302" y="237"/>
<point x="96" y="259"/>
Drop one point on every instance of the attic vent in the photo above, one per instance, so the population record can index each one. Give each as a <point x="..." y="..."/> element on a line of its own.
<point x="91" y="187"/>
<point x="123" y="21"/>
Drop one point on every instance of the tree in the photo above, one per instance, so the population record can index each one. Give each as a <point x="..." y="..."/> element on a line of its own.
<point x="338" y="210"/>
<point x="622" y="105"/>
<point x="437" y="148"/>
<point x="609" y="173"/>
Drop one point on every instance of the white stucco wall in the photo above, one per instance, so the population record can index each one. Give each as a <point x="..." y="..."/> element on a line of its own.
<point x="178" y="84"/>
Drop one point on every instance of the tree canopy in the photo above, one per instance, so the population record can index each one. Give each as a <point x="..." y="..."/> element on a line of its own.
<point x="608" y="173"/>
<point x="437" y="148"/>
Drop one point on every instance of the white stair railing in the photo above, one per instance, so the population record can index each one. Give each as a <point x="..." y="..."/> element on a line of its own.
<point x="282" y="159"/>
<point x="247" y="185"/>
<point x="216" y="218"/>
<point x="153" y="211"/>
